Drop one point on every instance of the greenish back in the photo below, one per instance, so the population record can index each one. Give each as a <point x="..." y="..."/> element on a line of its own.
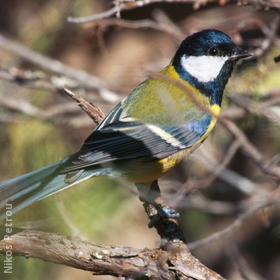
<point x="158" y="101"/>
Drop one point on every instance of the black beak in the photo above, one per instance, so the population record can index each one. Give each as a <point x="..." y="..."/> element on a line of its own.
<point x="239" y="53"/>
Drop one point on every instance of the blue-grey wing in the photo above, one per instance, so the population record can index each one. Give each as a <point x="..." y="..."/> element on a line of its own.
<point x="131" y="140"/>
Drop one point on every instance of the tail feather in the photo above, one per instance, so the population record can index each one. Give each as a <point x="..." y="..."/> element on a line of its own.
<point x="26" y="189"/>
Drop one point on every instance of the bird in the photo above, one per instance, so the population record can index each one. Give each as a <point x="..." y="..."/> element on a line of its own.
<point x="148" y="133"/>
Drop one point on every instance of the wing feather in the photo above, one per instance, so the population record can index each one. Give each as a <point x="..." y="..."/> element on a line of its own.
<point x="130" y="140"/>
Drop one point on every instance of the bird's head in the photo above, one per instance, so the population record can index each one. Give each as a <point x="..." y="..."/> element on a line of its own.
<point x="206" y="59"/>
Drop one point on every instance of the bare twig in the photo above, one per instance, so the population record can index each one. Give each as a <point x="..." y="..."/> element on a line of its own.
<point x="124" y="5"/>
<point x="161" y="23"/>
<point x="242" y="265"/>
<point x="82" y="77"/>
<point x="32" y="79"/>
<point x="211" y="206"/>
<point x="236" y="225"/>
<point x="137" y="24"/>
<point x="127" y="5"/>
<point x="251" y="151"/>
<point x="75" y="232"/>
<point x="270" y="34"/>
<point x="217" y="169"/>
<point x="258" y="108"/>
<point x="56" y="113"/>
<point x="179" y="198"/>
<point x="93" y="111"/>
<point x="38" y="79"/>
<point x="23" y="107"/>
<point x="240" y="182"/>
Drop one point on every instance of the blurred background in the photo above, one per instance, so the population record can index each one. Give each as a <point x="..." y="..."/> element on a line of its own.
<point x="40" y="125"/>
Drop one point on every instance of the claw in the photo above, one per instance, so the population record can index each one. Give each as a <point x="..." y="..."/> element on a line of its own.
<point x="168" y="212"/>
<point x="153" y="221"/>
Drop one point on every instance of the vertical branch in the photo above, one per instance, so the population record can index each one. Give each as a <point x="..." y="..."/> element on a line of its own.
<point x="167" y="227"/>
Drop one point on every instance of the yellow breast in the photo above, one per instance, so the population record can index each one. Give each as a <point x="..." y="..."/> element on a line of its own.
<point x="156" y="93"/>
<point x="170" y="162"/>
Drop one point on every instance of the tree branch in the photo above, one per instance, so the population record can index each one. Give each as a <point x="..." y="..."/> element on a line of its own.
<point x="236" y="225"/>
<point x="161" y="22"/>
<point x="93" y="111"/>
<point x="81" y="77"/>
<point x="176" y="262"/>
<point x="124" y="5"/>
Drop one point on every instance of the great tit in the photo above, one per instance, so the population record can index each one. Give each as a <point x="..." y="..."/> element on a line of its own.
<point x="149" y="132"/>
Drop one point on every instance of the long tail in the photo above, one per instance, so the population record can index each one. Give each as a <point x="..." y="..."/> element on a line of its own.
<point x="22" y="191"/>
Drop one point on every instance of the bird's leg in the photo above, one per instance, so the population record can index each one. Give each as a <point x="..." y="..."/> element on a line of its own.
<point x="163" y="210"/>
<point x="150" y="193"/>
<point x="148" y="197"/>
<point x="163" y="218"/>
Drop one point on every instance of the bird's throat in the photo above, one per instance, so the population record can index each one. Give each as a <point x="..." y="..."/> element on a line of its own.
<point x="213" y="89"/>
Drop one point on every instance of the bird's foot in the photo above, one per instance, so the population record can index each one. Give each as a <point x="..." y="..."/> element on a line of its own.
<point x="167" y="212"/>
<point x="163" y="213"/>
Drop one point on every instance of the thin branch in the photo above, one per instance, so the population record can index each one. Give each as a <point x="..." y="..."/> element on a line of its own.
<point x="251" y="151"/>
<point x="38" y="79"/>
<point x="214" y="207"/>
<point x="236" y="225"/>
<point x="23" y="107"/>
<point x="93" y="111"/>
<point x="82" y="77"/>
<point x="32" y="79"/>
<point x="75" y="232"/>
<point x="270" y="34"/>
<point x="161" y="23"/>
<point x="105" y="14"/>
<point x="139" y="24"/>
<point x="240" y="182"/>
<point x="56" y="113"/>
<point x="258" y="108"/>
<point x="124" y="5"/>
<point x="218" y="168"/>
<point x="242" y="265"/>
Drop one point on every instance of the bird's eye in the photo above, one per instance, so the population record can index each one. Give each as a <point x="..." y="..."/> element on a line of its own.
<point x="213" y="51"/>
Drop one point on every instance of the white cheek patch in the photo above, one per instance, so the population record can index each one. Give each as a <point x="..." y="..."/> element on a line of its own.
<point x="204" y="68"/>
